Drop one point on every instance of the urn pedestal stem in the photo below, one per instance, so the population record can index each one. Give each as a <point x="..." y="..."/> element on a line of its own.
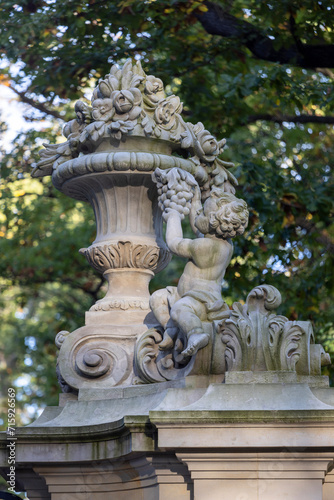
<point x="123" y="298"/>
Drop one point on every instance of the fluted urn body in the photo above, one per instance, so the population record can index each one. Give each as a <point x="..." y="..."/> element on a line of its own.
<point x="129" y="248"/>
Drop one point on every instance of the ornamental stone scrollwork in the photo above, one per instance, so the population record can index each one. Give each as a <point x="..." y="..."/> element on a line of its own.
<point x="59" y="340"/>
<point x="151" y="364"/>
<point x="95" y="359"/>
<point x="89" y="354"/>
<point x="257" y="339"/>
<point x="92" y="362"/>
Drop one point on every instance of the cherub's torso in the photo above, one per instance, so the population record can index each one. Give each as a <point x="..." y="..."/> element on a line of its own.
<point x="206" y="269"/>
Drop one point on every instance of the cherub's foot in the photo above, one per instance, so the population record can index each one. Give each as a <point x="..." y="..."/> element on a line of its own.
<point x="166" y="343"/>
<point x="196" y="342"/>
<point x="168" y="340"/>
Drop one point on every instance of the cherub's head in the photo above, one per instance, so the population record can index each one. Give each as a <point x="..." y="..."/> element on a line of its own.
<point x="223" y="215"/>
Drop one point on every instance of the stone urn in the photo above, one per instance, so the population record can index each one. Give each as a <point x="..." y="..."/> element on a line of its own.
<point x="129" y="248"/>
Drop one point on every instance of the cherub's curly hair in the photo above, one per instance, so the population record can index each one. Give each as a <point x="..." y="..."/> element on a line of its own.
<point x="231" y="218"/>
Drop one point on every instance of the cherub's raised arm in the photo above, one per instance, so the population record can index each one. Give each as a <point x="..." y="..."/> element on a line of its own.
<point x="174" y="234"/>
<point x="195" y="209"/>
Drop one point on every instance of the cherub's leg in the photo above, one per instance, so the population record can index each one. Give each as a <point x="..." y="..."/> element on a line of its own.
<point x="197" y="339"/>
<point x="170" y="335"/>
<point x="188" y="314"/>
<point x="160" y="303"/>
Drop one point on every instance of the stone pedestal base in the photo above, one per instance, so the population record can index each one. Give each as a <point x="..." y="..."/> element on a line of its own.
<point x="180" y="440"/>
<point x="149" y="478"/>
<point x="187" y="476"/>
<point x="328" y="489"/>
<point x="262" y="476"/>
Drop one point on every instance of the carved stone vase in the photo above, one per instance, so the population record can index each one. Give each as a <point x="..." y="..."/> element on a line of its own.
<point x="129" y="247"/>
<point x="128" y="251"/>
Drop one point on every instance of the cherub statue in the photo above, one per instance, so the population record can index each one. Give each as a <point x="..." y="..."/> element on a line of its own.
<point x="197" y="297"/>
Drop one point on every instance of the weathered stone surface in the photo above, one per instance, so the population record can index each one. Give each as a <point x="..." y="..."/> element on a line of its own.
<point x="257" y="339"/>
<point x="276" y="377"/>
<point x="172" y="438"/>
<point x="130" y="130"/>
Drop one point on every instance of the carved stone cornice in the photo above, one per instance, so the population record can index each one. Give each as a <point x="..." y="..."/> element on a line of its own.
<point x="118" y="161"/>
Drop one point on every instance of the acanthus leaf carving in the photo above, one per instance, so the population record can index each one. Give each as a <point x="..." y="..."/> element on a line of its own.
<point x="146" y="353"/>
<point x="257" y="339"/>
<point x="125" y="254"/>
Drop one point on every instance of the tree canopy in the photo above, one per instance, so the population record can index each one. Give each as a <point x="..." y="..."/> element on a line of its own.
<point x="258" y="73"/>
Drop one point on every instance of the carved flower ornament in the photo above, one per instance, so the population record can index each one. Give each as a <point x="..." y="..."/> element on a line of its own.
<point x="127" y="104"/>
<point x="154" y="89"/>
<point x="122" y="104"/>
<point x="206" y="146"/>
<point x="103" y="110"/>
<point x="165" y="112"/>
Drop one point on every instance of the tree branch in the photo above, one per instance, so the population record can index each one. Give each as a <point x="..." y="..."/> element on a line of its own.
<point x="216" y="21"/>
<point x="94" y="293"/>
<point x="323" y="237"/>
<point x="37" y="105"/>
<point x="326" y="71"/>
<point x="291" y="119"/>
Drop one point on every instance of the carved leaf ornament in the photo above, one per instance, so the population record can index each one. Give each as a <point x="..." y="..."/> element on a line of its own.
<point x="257" y="339"/>
<point x="125" y="254"/>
